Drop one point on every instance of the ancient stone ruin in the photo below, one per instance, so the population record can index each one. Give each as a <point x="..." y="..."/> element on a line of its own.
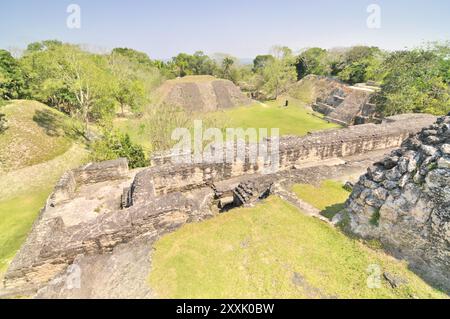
<point x="202" y="93"/>
<point x="104" y="215"/>
<point x="404" y="201"/>
<point x="339" y="102"/>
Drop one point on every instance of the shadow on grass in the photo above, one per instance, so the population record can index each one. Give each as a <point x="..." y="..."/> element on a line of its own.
<point x="55" y="125"/>
<point x="50" y="122"/>
<point x="332" y="210"/>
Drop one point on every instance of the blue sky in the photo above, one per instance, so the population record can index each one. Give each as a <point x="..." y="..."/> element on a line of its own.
<point x="244" y="28"/>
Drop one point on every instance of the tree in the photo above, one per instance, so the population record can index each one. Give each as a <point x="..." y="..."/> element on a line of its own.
<point x="11" y="77"/>
<point x="202" y="64"/>
<point x="114" y="145"/>
<point x="280" y="72"/>
<point x="197" y="64"/>
<point x="360" y="64"/>
<point x="134" y="56"/>
<point x="42" y="46"/>
<point x="260" y="62"/>
<point x="181" y="63"/>
<point x="414" y="82"/>
<point x="128" y="88"/>
<point x="312" y="61"/>
<point x="44" y="83"/>
<point x="87" y="79"/>
<point x="227" y="64"/>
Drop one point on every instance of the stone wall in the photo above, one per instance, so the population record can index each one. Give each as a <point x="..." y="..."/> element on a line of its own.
<point x="164" y="197"/>
<point x="339" y="102"/>
<point x="87" y="174"/>
<point x="292" y="151"/>
<point x="404" y="201"/>
<point x="99" y="172"/>
<point x="51" y="246"/>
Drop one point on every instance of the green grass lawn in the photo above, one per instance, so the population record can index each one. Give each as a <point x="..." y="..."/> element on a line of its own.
<point x="35" y="150"/>
<point x="329" y="197"/>
<point x="272" y="251"/>
<point x="23" y="193"/>
<point x="292" y="120"/>
<point x="16" y="217"/>
<point x="136" y="129"/>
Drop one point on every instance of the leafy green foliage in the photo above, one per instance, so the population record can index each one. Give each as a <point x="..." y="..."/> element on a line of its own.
<point x="227" y="63"/>
<point x="375" y="219"/>
<point x="128" y="86"/>
<point x="280" y="72"/>
<point x="312" y="61"/>
<point x="353" y="65"/>
<point x="89" y="86"/>
<point x="114" y="145"/>
<point x="197" y="64"/>
<point x="261" y="61"/>
<point x="360" y="64"/>
<point x="70" y="79"/>
<point x="135" y="57"/>
<point x="415" y="81"/>
<point x="11" y="77"/>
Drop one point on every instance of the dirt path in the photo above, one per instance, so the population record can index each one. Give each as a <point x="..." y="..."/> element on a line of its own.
<point x="40" y="175"/>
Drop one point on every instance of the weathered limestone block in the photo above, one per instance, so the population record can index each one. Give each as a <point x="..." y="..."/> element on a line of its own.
<point x="246" y="193"/>
<point x="292" y="151"/>
<point x="413" y="211"/>
<point x="64" y="189"/>
<point x="51" y="246"/>
<point x="101" y="172"/>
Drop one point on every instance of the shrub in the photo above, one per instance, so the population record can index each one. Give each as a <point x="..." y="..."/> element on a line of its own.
<point x="114" y="145"/>
<point x="375" y="219"/>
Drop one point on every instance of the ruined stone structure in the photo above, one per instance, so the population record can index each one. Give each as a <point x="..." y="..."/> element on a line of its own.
<point x="404" y="201"/>
<point x="348" y="105"/>
<point x="98" y="208"/>
<point x="202" y="93"/>
<point x="339" y="102"/>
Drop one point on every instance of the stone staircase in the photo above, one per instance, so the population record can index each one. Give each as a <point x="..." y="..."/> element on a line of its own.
<point x="349" y="105"/>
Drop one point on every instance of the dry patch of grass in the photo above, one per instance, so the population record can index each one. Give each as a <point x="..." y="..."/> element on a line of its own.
<point x="35" y="134"/>
<point x="272" y="251"/>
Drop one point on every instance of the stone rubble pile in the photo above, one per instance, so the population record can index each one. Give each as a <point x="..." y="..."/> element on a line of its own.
<point x="404" y="201"/>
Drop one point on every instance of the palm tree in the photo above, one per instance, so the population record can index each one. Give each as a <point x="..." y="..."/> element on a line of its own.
<point x="227" y="63"/>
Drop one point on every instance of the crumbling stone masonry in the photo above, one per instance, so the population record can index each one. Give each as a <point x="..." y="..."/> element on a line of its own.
<point x="150" y="202"/>
<point x="404" y="201"/>
<point x="339" y="102"/>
